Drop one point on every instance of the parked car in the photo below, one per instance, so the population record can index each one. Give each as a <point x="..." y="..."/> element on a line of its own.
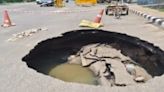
<point x="124" y="9"/>
<point x="47" y="3"/>
<point x="39" y="1"/>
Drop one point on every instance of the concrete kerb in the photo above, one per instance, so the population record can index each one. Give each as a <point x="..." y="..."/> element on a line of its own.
<point x="55" y="11"/>
<point x="150" y="18"/>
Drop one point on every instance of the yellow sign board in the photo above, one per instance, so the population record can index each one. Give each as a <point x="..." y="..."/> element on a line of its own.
<point x="82" y="2"/>
<point x="59" y="3"/>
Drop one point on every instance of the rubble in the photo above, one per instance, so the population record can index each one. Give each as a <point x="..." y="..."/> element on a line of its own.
<point x="141" y="74"/>
<point x="140" y="79"/>
<point x="96" y="56"/>
<point x="26" y="33"/>
<point x="74" y="60"/>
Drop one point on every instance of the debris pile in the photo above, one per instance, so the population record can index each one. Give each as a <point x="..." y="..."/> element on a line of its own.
<point x="26" y="33"/>
<point x="110" y="66"/>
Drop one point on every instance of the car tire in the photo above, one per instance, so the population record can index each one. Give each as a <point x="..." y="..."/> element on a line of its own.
<point x="38" y="3"/>
<point x="106" y="12"/>
<point x="127" y="12"/>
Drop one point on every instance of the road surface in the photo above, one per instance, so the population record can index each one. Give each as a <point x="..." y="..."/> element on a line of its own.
<point x="15" y="76"/>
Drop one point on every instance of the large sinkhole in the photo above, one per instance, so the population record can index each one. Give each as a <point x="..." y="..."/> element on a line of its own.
<point x="94" y="60"/>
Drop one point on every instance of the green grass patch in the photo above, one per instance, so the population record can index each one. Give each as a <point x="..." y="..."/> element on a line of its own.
<point x="14" y="1"/>
<point x="161" y="9"/>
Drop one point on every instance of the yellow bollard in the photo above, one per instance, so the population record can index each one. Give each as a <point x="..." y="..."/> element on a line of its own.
<point x="59" y="3"/>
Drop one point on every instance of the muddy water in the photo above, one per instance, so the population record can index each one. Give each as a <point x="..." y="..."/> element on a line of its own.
<point x="73" y="73"/>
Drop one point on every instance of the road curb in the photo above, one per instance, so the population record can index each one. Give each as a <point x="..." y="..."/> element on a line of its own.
<point x="150" y="18"/>
<point x="53" y="11"/>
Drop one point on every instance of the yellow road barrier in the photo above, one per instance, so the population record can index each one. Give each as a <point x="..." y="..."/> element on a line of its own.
<point x="86" y="23"/>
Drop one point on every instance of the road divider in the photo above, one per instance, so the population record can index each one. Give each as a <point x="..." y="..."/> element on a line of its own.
<point x="150" y="18"/>
<point x="52" y="11"/>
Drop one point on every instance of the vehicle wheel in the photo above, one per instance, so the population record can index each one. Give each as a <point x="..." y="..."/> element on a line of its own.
<point x="106" y="11"/>
<point x="127" y="12"/>
<point x="51" y="4"/>
<point x="38" y="3"/>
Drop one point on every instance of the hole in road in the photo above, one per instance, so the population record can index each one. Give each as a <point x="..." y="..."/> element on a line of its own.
<point x="97" y="57"/>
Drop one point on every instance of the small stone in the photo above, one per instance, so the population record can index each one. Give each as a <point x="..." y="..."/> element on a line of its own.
<point x="73" y="59"/>
<point x="12" y="39"/>
<point x="26" y="33"/>
<point x="142" y="72"/>
<point x="20" y="36"/>
<point x="140" y="79"/>
<point x="130" y="68"/>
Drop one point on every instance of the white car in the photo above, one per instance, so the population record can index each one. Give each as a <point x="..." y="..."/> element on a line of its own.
<point x="39" y="1"/>
<point x="45" y="2"/>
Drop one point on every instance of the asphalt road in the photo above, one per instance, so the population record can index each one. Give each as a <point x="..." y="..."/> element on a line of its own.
<point x="57" y="20"/>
